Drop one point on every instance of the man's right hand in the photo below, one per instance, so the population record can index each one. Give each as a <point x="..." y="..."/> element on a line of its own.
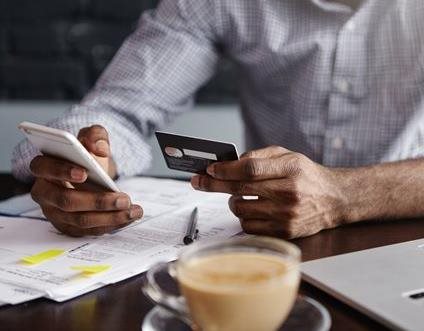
<point x="81" y="211"/>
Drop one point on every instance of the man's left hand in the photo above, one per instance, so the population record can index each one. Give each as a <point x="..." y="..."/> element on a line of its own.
<point x="296" y="196"/>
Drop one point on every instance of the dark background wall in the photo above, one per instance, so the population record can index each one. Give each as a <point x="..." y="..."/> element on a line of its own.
<point x="55" y="49"/>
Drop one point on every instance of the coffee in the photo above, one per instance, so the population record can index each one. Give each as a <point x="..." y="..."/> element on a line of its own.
<point x="239" y="291"/>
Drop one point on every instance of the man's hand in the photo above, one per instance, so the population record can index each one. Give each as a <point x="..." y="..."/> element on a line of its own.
<point x="296" y="197"/>
<point x="81" y="211"/>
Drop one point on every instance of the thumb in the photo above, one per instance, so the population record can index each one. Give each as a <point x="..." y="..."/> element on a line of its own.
<point x="96" y="140"/>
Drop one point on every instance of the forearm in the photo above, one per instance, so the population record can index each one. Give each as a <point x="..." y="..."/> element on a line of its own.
<point x="385" y="191"/>
<point x="130" y="152"/>
<point x="151" y="79"/>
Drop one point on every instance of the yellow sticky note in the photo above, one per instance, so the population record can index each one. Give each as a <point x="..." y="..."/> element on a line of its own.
<point x="43" y="256"/>
<point x="89" y="270"/>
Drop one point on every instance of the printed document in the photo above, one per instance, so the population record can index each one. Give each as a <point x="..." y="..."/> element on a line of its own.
<point x="43" y="262"/>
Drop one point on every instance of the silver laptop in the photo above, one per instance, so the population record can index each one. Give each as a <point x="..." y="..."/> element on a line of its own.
<point x="385" y="283"/>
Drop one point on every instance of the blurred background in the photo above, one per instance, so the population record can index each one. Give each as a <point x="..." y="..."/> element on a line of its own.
<point x="52" y="51"/>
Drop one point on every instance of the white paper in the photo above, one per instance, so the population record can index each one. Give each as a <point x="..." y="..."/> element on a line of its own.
<point x="13" y="295"/>
<point x="27" y="236"/>
<point x="158" y="237"/>
<point x="156" y="196"/>
<point x="18" y="205"/>
<point x="160" y="196"/>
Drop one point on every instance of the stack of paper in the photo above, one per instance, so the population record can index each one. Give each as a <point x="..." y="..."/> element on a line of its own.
<point x="37" y="261"/>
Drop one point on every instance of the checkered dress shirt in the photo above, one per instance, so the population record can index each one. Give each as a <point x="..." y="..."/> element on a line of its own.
<point x="342" y="86"/>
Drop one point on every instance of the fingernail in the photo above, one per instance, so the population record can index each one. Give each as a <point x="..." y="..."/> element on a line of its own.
<point x="102" y="146"/>
<point x="195" y="182"/>
<point x="135" y="212"/>
<point x="77" y="174"/>
<point x="122" y="203"/>
<point x="211" y="170"/>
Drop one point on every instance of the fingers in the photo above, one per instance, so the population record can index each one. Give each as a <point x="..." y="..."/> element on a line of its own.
<point x="88" y="220"/>
<point x="282" y="190"/>
<point x="79" y="213"/>
<point x="257" y="226"/>
<point x="267" y="152"/>
<point x="56" y="169"/>
<point x="266" y="228"/>
<point x="247" y="169"/>
<point x="70" y="200"/>
<point x="74" y="231"/>
<point x="207" y="183"/>
<point x="255" y="169"/>
<point x="264" y="217"/>
<point x="96" y="139"/>
<point x="260" y="208"/>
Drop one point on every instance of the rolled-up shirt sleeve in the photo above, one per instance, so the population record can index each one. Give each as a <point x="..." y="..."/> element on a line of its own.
<point x="151" y="79"/>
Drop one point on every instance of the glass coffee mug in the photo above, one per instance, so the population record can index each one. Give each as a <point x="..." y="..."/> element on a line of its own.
<point x="237" y="284"/>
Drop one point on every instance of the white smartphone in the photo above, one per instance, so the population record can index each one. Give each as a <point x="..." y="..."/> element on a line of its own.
<point x="65" y="145"/>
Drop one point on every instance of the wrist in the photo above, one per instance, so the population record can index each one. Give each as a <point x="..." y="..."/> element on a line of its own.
<point x="354" y="204"/>
<point x="378" y="192"/>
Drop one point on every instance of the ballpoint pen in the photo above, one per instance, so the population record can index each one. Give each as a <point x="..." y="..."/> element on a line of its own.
<point x="192" y="232"/>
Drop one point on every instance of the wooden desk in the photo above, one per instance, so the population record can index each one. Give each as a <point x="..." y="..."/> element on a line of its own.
<point x="122" y="306"/>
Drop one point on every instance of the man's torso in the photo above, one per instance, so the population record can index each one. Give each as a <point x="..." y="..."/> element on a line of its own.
<point x="342" y="86"/>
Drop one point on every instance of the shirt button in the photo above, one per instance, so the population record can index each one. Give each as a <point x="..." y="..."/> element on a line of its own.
<point x="350" y="26"/>
<point x="337" y="143"/>
<point x="341" y="85"/>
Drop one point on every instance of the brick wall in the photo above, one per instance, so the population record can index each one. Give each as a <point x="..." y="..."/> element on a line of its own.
<point x="55" y="49"/>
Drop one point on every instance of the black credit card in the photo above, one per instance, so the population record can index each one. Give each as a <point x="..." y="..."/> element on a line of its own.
<point x="193" y="154"/>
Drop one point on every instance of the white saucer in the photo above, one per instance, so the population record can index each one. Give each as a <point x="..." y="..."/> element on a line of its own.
<point x="306" y="315"/>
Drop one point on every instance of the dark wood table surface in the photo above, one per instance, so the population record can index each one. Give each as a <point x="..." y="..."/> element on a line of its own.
<point x="122" y="306"/>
